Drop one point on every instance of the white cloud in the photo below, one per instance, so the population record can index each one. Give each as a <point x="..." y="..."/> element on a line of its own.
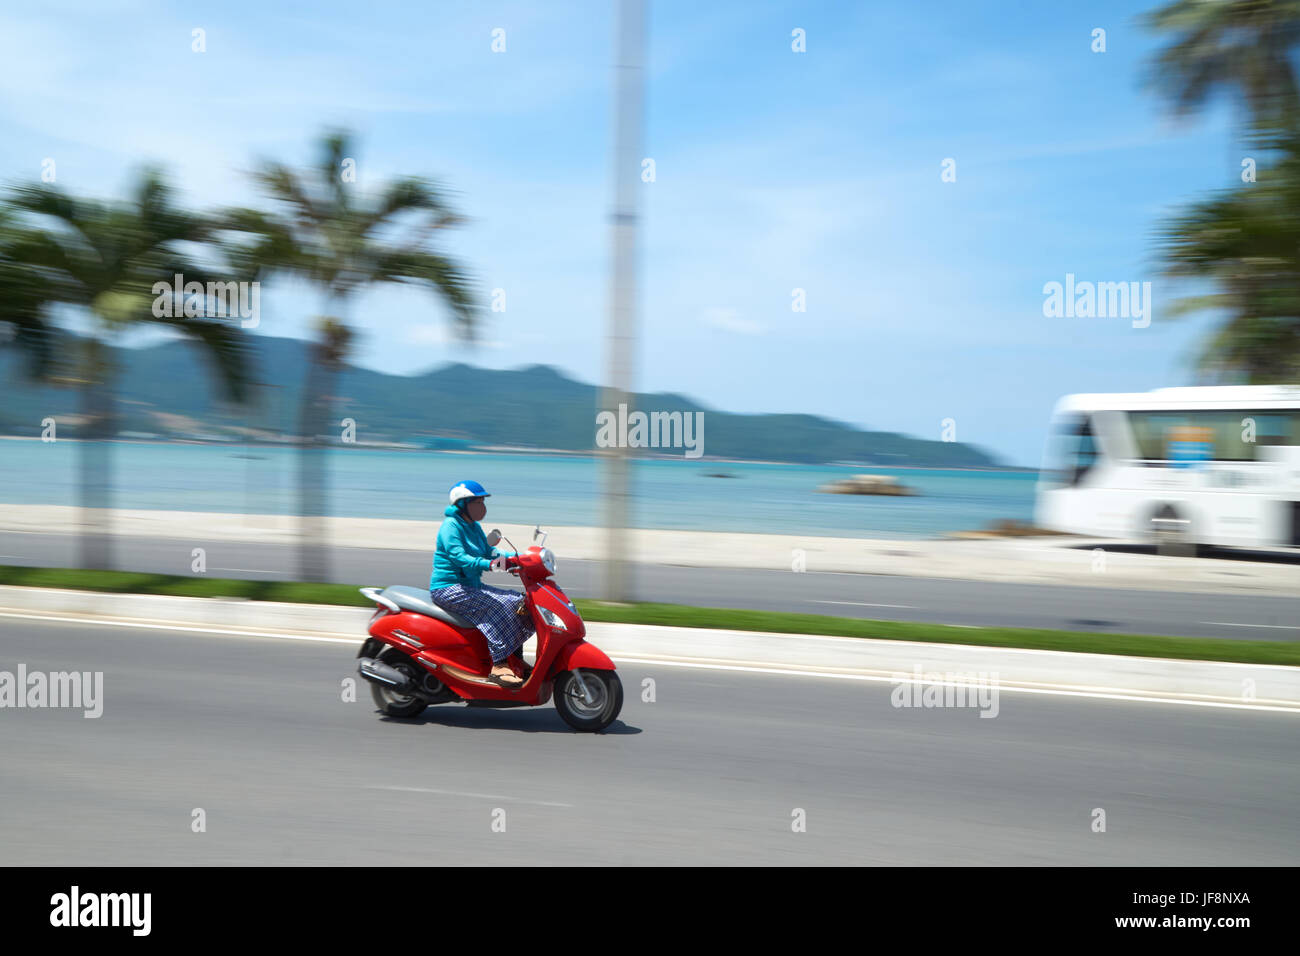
<point x="440" y="333"/>
<point x="729" y="320"/>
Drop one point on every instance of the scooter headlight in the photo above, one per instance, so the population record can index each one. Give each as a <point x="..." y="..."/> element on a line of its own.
<point x="552" y="619"/>
<point x="548" y="559"/>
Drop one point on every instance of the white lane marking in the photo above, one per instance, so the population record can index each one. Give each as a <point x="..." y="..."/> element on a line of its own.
<point x="1050" y="691"/>
<point x="846" y="574"/>
<point x="865" y="604"/>
<point x="1099" y="694"/>
<point x="249" y="570"/>
<point x="220" y="632"/>
<point x="478" y="796"/>
<point x="1281" y="627"/>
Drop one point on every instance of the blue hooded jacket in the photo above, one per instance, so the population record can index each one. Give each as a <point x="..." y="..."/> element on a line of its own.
<point x="463" y="553"/>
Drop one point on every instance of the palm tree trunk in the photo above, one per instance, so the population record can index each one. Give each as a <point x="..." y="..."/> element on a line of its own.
<point x="313" y="556"/>
<point x="95" y="481"/>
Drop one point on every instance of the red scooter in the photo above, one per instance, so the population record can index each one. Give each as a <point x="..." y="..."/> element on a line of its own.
<point x="419" y="654"/>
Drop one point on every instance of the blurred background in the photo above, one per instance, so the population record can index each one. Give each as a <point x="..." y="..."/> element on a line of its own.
<point x="444" y="239"/>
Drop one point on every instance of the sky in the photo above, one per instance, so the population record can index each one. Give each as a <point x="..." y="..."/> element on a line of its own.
<point x="775" y="170"/>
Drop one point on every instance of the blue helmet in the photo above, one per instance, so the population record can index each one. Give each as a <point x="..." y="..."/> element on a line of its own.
<point x="464" y="490"/>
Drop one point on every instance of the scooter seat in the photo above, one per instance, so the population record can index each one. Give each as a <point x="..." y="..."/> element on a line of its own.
<point x="413" y="599"/>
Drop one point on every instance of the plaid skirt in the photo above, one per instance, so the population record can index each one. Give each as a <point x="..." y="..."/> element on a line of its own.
<point x="493" y="611"/>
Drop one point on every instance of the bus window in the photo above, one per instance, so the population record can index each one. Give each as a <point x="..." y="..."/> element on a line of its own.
<point x="1188" y="445"/>
<point x="1187" y="437"/>
<point x="1071" y="450"/>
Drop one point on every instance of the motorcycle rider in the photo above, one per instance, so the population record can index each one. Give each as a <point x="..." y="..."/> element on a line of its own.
<point x="462" y="556"/>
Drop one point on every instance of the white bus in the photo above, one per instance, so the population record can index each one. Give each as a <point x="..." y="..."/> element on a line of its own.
<point x="1182" y="466"/>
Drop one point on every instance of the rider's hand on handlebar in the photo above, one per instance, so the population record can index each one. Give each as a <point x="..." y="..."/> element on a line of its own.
<point x="504" y="562"/>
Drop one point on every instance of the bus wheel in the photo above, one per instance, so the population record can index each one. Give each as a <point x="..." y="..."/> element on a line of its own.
<point x="1172" y="533"/>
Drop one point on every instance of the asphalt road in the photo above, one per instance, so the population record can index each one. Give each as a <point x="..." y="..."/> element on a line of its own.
<point x="882" y="597"/>
<point x="255" y="732"/>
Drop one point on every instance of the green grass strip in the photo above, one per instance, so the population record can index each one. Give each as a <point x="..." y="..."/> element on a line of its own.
<point x="680" y="615"/>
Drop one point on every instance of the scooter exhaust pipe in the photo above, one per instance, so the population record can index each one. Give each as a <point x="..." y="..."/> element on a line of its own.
<point x="379" y="673"/>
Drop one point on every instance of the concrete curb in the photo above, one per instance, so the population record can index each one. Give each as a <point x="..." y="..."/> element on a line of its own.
<point x="1228" y="684"/>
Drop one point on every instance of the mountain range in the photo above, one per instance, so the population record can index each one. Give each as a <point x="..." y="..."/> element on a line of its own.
<point x="169" y="391"/>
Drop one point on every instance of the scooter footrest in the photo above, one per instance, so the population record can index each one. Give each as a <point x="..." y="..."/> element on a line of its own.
<point x="483" y="679"/>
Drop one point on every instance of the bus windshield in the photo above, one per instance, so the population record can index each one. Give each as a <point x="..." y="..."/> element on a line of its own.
<point x="1071" y="450"/>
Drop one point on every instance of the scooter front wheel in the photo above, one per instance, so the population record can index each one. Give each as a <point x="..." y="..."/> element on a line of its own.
<point x="595" y="710"/>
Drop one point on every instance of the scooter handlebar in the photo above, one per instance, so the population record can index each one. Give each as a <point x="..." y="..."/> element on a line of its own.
<point x="506" y="563"/>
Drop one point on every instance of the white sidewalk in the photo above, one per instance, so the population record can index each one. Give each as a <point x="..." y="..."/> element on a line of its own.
<point x="1040" y="560"/>
<point x="1192" y="683"/>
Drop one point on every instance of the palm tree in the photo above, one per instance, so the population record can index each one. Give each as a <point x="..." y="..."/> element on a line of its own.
<point x="1238" y="45"/>
<point x="25" y="296"/>
<point x="326" y="231"/>
<point x="1243" y="240"/>
<point x="104" y="258"/>
<point x="1246" y="241"/>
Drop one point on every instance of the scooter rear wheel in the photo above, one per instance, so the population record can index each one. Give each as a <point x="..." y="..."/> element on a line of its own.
<point x="390" y="702"/>
<point x="606" y="699"/>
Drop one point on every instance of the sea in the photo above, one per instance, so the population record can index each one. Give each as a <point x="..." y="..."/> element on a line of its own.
<point x="550" y="490"/>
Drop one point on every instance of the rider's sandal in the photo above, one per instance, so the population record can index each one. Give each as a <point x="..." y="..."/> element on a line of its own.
<point x="509" y="681"/>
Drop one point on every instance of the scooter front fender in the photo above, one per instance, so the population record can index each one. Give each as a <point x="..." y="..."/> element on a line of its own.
<point x="581" y="654"/>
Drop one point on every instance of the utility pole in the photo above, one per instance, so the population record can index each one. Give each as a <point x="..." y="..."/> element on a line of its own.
<point x="629" y="95"/>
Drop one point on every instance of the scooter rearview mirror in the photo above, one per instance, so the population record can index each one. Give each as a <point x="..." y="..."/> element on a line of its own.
<point x="494" y="537"/>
